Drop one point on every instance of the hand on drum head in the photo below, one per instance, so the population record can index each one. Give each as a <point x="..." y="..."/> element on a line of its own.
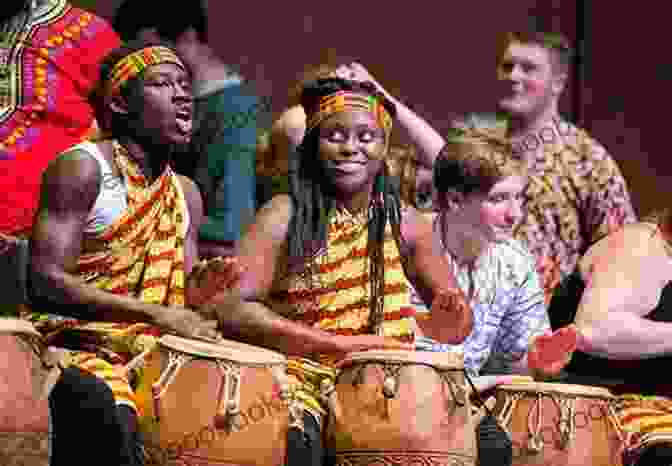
<point x="451" y="313"/>
<point x="355" y="343"/>
<point x="210" y="278"/>
<point x="550" y="352"/>
<point x="187" y="323"/>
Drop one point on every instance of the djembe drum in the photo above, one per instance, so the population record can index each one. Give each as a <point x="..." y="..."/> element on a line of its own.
<point x="401" y="408"/>
<point x="28" y="371"/>
<point x="206" y="404"/>
<point x="560" y="425"/>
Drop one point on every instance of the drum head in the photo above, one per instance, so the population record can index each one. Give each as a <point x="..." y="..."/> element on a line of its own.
<point x="448" y="361"/>
<point x="226" y="349"/>
<point x="558" y="389"/>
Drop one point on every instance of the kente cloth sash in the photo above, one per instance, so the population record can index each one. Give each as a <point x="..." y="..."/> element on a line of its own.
<point x="338" y="301"/>
<point x="142" y="257"/>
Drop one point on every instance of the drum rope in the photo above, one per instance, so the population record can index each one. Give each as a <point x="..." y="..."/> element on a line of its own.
<point x="175" y="363"/>
<point x="620" y="431"/>
<point x="48" y="361"/>
<point x="567" y="420"/>
<point x="536" y="442"/>
<point x="506" y="414"/>
<point x="229" y="400"/>
<point x="454" y="388"/>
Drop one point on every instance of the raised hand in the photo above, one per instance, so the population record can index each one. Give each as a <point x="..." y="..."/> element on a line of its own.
<point x="451" y="313"/>
<point x="212" y="277"/>
<point x="357" y="72"/>
<point x="551" y="352"/>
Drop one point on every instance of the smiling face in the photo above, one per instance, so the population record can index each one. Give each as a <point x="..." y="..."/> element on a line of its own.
<point x="528" y="82"/>
<point x="501" y="209"/>
<point x="351" y="148"/>
<point x="162" y="108"/>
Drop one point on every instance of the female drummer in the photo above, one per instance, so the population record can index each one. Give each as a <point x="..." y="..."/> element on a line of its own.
<point x="619" y="298"/>
<point x="325" y="268"/>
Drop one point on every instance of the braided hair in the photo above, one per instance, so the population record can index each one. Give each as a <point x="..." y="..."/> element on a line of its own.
<point x="313" y="200"/>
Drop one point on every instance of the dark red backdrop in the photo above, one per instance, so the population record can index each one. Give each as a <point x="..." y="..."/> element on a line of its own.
<point x="440" y="58"/>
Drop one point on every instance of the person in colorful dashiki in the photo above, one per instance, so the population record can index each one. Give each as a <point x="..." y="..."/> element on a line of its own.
<point x="50" y="54"/>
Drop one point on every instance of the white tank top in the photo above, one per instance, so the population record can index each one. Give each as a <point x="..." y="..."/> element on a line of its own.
<point x="111" y="202"/>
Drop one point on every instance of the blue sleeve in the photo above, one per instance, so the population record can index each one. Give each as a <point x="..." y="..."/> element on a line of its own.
<point x="227" y="163"/>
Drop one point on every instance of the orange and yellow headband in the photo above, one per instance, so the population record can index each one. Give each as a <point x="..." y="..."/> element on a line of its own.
<point x="345" y="100"/>
<point x="134" y="64"/>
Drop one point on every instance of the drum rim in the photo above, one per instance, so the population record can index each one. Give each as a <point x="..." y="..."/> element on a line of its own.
<point x="10" y="325"/>
<point x="243" y="353"/>
<point x="546" y="388"/>
<point x="438" y="360"/>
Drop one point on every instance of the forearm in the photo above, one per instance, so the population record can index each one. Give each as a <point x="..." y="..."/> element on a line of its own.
<point x="256" y="324"/>
<point x="424" y="137"/>
<point x="71" y="296"/>
<point x="626" y="336"/>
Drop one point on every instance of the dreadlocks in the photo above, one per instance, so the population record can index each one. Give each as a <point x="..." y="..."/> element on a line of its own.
<point x="313" y="200"/>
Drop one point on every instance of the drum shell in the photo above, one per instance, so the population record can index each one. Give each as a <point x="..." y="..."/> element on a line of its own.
<point x="185" y="431"/>
<point x="24" y="417"/>
<point x="422" y="424"/>
<point x="596" y="441"/>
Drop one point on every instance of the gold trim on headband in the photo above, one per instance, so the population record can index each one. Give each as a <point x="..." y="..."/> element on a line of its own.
<point x="132" y="65"/>
<point x="344" y="100"/>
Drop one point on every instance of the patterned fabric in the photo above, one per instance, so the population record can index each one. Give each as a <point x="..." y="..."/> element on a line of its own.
<point x="143" y="258"/>
<point x="575" y="197"/>
<point x="646" y="420"/>
<point x="344" y="100"/>
<point x="134" y="64"/>
<point x="53" y="56"/>
<point x="339" y="300"/>
<point x="508" y="306"/>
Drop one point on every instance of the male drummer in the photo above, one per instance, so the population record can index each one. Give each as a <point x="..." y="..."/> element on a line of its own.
<point x="115" y="233"/>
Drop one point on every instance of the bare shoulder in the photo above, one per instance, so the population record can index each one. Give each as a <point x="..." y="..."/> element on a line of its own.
<point x="414" y="225"/>
<point x="632" y="248"/>
<point x="72" y="181"/>
<point x="274" y="217"/>
<point x="192" y="195"/>
<point x="190" y="188"/>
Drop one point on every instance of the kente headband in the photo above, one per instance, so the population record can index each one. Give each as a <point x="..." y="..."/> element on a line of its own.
<point x="345" y="100"/>
<point x="132" y="65"/>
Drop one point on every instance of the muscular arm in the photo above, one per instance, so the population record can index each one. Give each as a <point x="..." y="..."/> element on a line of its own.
<point x="194" y="201"/>
<point x="628" y="274"/>
<point x="70" y="186"/>
<point x="244" y="316"/>
<point x="431" y="276"/>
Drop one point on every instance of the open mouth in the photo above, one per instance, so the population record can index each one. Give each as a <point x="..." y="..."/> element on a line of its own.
<point x="184" y="121"/>
<point x="347" y="167"/>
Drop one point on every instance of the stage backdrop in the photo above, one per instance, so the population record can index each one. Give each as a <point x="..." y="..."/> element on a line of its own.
<point x="439" y="58"/>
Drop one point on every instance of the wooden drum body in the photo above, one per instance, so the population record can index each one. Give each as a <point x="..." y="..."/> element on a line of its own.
<point x="24" y="388"/>
<point x="560" y="425"/>
<point x="214" y="404"/>
<point x="401" y="408"/>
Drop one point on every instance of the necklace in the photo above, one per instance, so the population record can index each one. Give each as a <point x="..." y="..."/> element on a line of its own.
<point x="12" y="32"/>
